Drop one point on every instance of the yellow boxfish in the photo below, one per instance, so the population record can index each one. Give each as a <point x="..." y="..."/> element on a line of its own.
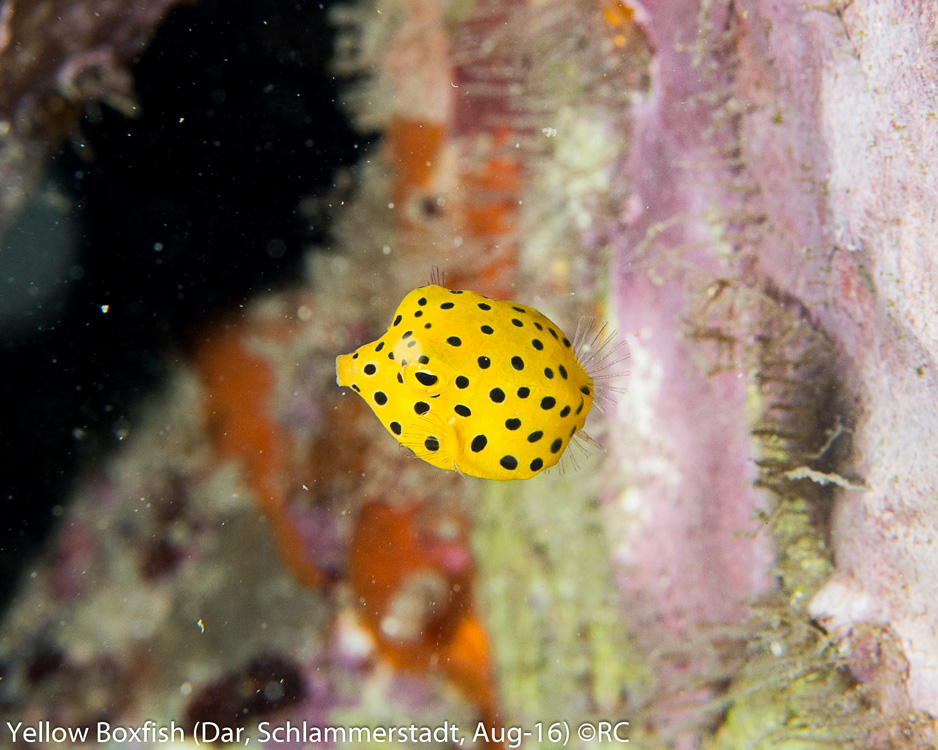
<point x="488" y="388"/>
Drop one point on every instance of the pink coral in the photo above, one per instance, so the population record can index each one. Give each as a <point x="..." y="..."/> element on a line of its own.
<point x="832" y="116"/>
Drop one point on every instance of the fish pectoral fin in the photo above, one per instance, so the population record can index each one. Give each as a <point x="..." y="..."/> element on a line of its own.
<point x="431" y="439"/>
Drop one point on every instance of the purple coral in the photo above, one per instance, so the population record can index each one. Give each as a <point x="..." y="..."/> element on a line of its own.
<point x="809" y="139"/>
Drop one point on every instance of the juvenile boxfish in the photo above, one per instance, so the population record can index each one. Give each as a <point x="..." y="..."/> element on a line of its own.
<point x="488" y="388"/>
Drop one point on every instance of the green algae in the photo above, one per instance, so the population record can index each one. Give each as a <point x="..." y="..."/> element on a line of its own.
<point x="766" y="719"/>
<point x="561" y="649"/>
<point x="791" y="690"/>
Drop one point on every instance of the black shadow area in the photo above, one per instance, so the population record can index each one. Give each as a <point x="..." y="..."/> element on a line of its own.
<point x="183" y="212"/>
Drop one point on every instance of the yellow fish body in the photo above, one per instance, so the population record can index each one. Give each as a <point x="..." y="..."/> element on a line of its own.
<point x="484" y="387"/>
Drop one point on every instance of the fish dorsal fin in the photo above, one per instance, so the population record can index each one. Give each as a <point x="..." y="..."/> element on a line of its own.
<point x="437" y="276"/>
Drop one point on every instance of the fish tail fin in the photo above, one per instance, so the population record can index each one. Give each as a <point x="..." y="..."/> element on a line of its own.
<point x="601" y="351"/>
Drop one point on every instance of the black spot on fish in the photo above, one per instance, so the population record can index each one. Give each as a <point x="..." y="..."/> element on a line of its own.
<point x="422" y="301"/>
<point x="370" y="369"/>
<point x="485" y="363"/>
<point x="488" y="330"/>
<point x="447" y="305"/>
<point x="565" y="411"/>
<point x="524" y="392"/>
<point x="552" y="332"/>
<point x="516" y="322"/>
<point x="462" y="382"/>
<point x="381" y="398"/>
<point x="536" y="464"/>
<point x="356" y="388"/>
<point x="462" y="411"/>
<point x="509" y="462"/>
<point x="407" y="334"/>
<point x="355" y="355"/>
<point x="454" y="341"/>
<point x="397" y="320"/>
<point x="548" y="402"/>
<point x="431" y="444"/>
<point x="423" y="359"/>
<point x="396" y="428"/>
<point x="535" y="436"/>
<point x="538" y="326"/>
<point x="548" y="373"/>
<point x="512" y="424"/>
<point x="497" y="395"/>
<point x="563" y="371"/>
<point x="478" y="443"/>
<point x="556" y="445"/>
<point x="536" y="343"/>
<point x="483" y="306"/>
<point x="518" y="309"/>
<point x="517" y="362"/>
<point x="418" y="313"/>
<point x="421" y="407"/>
<point x="585" y="390"/>
<point x="566" y="342"/>
<point x="379" y="347"/>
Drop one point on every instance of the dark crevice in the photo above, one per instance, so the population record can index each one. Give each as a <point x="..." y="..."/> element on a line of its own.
<point x="187" y="211"/>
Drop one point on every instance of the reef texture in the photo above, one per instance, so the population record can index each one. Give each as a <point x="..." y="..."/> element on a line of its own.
<point x="58" y="59"/>
<point x="747" y="190"/>
<point x="785" y="161"/>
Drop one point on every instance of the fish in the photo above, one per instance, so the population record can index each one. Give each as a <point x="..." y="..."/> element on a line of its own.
<point x="487" y="388"/>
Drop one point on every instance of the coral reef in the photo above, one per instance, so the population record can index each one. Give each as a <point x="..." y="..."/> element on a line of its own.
<point x="57" y="59"/>
<point x="746" y="155"/>
<point x="165" y="598"/>
<point x="58" y="62"/>
<point x="746" y="191"/>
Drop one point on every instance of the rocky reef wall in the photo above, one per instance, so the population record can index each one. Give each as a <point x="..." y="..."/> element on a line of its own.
<point x="746" y="191"/>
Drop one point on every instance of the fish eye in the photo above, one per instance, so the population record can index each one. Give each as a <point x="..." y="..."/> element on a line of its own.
<point x="425" y="377"/>
<point x="426" y="381"/>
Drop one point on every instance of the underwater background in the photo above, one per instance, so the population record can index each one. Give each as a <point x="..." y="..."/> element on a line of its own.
<point x="207" y="540"/>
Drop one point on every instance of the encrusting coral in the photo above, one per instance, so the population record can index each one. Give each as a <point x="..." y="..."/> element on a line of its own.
<point x="750" y="564"/>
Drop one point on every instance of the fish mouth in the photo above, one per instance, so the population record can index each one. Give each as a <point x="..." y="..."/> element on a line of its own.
<point x="344" y="369"/>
